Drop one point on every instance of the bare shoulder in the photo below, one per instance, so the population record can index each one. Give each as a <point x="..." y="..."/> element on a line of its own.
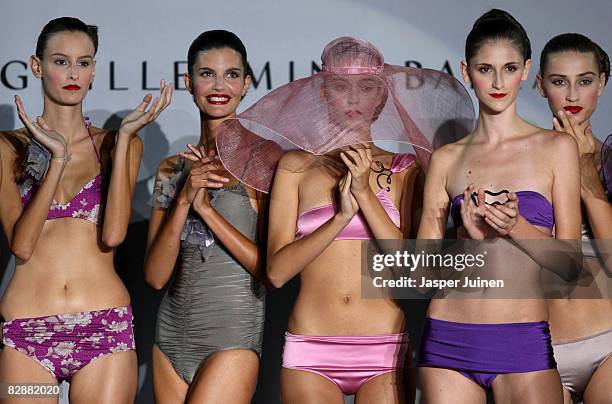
<point x="554" y="141"/>
<point x="446" y="155"/>
<point x="295" y="161"/>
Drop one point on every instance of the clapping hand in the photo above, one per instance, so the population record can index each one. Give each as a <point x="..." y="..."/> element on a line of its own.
<point x="202" y="176"/>
<point x="42" y="133"/>
<point x="140" y="117"/>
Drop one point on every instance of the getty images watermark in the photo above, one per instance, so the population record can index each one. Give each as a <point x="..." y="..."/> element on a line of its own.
<point x="408" y="261"/>
<point x="498" y="268"/>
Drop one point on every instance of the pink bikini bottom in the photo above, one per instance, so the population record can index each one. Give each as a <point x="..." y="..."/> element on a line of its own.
<point x="347" y="361"/>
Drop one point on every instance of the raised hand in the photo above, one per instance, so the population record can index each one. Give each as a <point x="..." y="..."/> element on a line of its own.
<point x="581" y="132"/>
<point x="140" y="117"/>
<point x="358" y="160"/>
<point x="42" y="133"/>
<point x="472" y="214"/>
<point x="502" y="218"/>
<point x="348" y="203"/>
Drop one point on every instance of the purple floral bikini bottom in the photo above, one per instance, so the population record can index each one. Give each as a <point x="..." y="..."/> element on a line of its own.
<point x="65" y="343"/>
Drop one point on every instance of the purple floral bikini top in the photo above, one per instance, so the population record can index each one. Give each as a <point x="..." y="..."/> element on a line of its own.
<point x="86" y="204"/>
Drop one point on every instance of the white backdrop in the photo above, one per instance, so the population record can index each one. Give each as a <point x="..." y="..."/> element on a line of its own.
<point x="277" y="34"/>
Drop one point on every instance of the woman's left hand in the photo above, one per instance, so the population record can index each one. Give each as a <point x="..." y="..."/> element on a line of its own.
<point x="140" y="117"/>
<point x="502" y="218"/>
<point x="358" y="160"/>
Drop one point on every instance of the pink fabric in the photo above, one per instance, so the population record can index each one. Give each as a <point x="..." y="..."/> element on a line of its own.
<point x="347" y="361"/>
<point x="401" y="161"/>
<point x="356" y="98"/>
<point x="352" y="56"/>
<point x="86" y="204"/>
<point x="357" y="229"/>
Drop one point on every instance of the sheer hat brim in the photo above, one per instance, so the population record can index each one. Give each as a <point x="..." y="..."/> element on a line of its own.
<point x="415" y="110"/>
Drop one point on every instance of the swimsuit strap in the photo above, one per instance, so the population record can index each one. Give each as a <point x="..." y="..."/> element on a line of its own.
<point x="88" y="126"/>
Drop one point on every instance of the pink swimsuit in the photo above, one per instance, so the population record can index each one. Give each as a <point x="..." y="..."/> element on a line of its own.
<point x="357" y="229"/>
<point x="349" y="361"/>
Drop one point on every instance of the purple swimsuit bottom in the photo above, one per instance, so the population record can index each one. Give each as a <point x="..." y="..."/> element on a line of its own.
<point x="65" y="343"/>
<point x="482" y="351"/>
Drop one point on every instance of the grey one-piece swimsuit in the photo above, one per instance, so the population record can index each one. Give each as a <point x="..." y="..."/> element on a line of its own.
<point x="213" y="303"/>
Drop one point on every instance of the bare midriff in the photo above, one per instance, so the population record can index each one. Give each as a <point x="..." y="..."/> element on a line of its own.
<point x="69" y="271"/>
<point x="489" y="306"/>
<point x="330" y="302"/>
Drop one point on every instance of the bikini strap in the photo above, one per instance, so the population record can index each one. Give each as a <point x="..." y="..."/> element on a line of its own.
<point x="402" y="161"/>
<point x="93" y="143"/>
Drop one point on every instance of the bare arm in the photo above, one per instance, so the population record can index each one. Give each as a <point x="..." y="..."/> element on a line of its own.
<point x="435" y="199"/>
<point x="287" y="257"/>
<point x="171" y="203"/>
<point x="566" y="259"/>
<point x="29" y="225"/>
<point x="592" y="192"/>
<point x="126" y="156"/>
<point x="164" y="241"/>
<point x="565" y="194"/>
<point x="125" y="165"/>
<point x="23" y="226"/>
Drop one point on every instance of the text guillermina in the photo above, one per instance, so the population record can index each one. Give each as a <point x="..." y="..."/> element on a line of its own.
<point x="14" y="75"/>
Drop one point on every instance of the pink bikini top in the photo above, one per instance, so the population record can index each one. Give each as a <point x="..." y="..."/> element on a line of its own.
<point x="357" y="229"/>
<point x="86" y="204"/>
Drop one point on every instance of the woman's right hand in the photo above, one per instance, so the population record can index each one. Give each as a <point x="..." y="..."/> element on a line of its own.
<point x="348" y="203"/>
<point x="42" y="132"/>
<point x="472" y="215"/>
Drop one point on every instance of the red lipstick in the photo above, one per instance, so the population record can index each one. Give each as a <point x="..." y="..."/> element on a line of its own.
<point x="498" y="95"/>
<point x="71" y="87"/>
<point x="573" y="109"/>
<point x="218" y="99"/>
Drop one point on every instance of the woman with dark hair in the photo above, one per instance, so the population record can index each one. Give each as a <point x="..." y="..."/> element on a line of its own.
<point x="332" y="190"/>
<point x="473" y="341"/>
<point x="206" y="223"/>
<point x="66" y="193"/>
<point x="573" y="73"/>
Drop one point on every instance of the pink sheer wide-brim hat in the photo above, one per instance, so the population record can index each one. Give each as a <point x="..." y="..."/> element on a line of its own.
<point x="356" y="98"/>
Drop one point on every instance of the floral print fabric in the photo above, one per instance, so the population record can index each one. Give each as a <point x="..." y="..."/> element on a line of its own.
<point x="65" y="343"/>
